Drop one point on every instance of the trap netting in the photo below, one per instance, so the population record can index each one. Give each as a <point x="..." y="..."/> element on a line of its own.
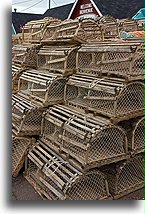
<point x="85" y="141"/>
<point x="73" y="31"/>
<point x="20" y="146"/>
<point x="42" y="87"/>
<point x="25" y="55"/>
<point x="119" y="58"/>
<point x="111" y="97"/>
<point x="137" y="145"/>
<point x="125" y="177"/>
<point x="33" y="31"/>
<point x="55" y="179"/>
<point x="109" y="25"/>
<point x="58" y="59"/>
<point x="26" y="117"/>
<point x="130" y="25"/>
<point x="17" y="70"/>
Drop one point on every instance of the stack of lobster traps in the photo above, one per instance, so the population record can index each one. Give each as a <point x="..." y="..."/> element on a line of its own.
<point x="77" y="111"/>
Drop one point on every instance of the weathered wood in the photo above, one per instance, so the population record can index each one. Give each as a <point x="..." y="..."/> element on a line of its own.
<point x="60" y="170"/>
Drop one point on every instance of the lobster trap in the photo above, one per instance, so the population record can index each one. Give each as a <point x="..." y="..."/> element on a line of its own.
<point x="33" y="31"/>
<point x="117" y="59"/>
<point x="125" y="177"/>
<point x="85" y="141"/>
<point x="130" y="25"/>
<point x="135" y="133"/>
<point x="26" y="117"/>
<point x="138" y="136"/>
<point x="109" y="26"/>
<point x="55" y="179"/>
<point x="79" y="31"/>
<point x="110" y="97"/>
<point x="17" y="70"/>
<point x="42" y="87"/>
<point x="20" y="146"/>
<point x="58" y="59"/>
<point x="25" y="55"/>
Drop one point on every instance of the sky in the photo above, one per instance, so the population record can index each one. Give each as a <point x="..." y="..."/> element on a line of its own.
<point x="40" y="8"/>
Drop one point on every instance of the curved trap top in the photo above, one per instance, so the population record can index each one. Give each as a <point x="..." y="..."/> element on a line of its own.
<point x="73" y="31"/>
<point x="42" y="87"/>
<point x="26" y="117"/>
<point x="58" y="59"/>
<point x="83" y="140"/>
<point x="25" y="55"/>
<point x="115" y="58"/>
<point x="125" y="177"/>
<point x="111" y="97"/>
<point x="33" y="31"/>
<point x="55" y="179"/>
<point x="20" y="146"/>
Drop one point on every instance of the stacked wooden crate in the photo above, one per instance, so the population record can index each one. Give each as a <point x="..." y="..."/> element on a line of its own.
<point x="83" y="103"/>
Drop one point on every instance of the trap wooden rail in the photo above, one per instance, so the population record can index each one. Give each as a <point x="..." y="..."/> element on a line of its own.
<point x="25" y="55"/>
<point x="20" y="146"/>
<point x="114" y="58"/>
<point x="78" y="31"/>
<point x="125" y="177"/>
<point x="26" y="117"/>
<point x="55" y="179"/>
<point x="33" y="31"/>
<point x="17" y="70"/>
<point x="42" y="87"/>
<point x="58" y="59"/>
<point x="135" y="133"/>
<point x="85" y="141"/>
<point x="110" y="97"/>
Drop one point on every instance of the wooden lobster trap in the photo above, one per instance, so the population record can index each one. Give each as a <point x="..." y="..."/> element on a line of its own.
<point x="26" y="117"/>
<point x="17" y="70"/>
<point x="55" y="179"/>
<point x="137" y="145"/>
<point x="25" y="55"/>
<point x="73" y="31"/>
<point x="33" y="31"/>
<point x="135" y="133"/>
<point x="125" y="177"/>
<point x="20" y="146"/>
<point x="118" y="58"/>
<point x="16" y="39"/>
<point x="85" y="141"/>
<point x="130" y="25"/>
<point x="42" y="87"/>
<point x="110" y="97"/>
<point x="109" y="26"/>
<point x="58" y="59"/>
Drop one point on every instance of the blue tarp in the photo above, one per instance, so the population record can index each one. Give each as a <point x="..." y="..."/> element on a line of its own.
<point x="13" y="29"/>
<point x="140" y="14"/>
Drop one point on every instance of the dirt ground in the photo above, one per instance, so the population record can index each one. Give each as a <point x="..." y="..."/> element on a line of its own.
<point x="22" y="190"/>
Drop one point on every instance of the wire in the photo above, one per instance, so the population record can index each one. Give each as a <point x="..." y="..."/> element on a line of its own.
<point x="32" y="5"/>
<point x="54" y="2"/>
<point x="21" y="2"/>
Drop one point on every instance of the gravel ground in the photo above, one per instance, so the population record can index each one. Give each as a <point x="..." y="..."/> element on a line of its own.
<point x="22" y="190"/>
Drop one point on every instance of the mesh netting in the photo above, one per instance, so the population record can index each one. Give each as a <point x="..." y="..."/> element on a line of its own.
<point x="121" y="59"/>
<point x="25" y="54"/>
<point x="109" y="97"/>
<point x="138" y="136"/>
<point x="19" y="150"/>
<point x="126" y="176"/>
<point x="42" y="87"/>
<point x="88" y="140"/>
<point x="58" y="180"/>
<point x="60" y="59"/>
<point x="26" y="117"/>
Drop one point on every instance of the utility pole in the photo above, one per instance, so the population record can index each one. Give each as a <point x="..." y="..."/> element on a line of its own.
<point x="49" y="4"/>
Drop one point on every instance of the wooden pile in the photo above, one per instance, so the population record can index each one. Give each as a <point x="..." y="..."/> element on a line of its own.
<point x="82" y="100"/>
